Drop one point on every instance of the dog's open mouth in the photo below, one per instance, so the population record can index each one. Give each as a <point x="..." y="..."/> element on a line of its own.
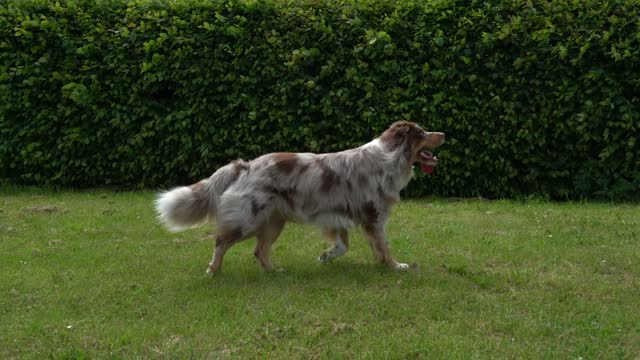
<point x="428" y="162"/>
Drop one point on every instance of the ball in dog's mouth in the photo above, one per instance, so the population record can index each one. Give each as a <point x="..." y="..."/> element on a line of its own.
<point x="428" y="162"/>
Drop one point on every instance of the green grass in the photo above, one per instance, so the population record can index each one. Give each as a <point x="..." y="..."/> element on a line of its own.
<point x="93" y="274"/>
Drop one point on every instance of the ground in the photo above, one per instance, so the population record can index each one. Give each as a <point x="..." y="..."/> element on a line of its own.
<point x="92" y="274"/>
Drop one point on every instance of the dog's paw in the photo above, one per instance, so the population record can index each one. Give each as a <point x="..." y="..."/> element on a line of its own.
<point x="210" y="273"/>
<point x="404" y="266"/>
<point x="325" y="258"/>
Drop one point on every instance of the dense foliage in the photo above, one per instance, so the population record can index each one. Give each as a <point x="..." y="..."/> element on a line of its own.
<point x="536" y="97"/>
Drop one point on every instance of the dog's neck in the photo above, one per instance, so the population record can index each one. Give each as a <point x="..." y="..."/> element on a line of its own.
<point x="392" y="160"/>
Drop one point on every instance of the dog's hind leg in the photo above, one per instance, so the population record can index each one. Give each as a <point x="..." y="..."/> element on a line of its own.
<point x="340" y="240"/>
<point x="224" y="240"/>
<point x="236" y="222"/>
<point x="267" y="235"/>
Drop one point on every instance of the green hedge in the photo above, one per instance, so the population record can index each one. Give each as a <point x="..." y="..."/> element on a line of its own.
<point x="536" y="97"/>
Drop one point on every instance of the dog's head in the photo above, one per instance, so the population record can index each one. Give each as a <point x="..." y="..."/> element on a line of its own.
<point x="415" y="141"/>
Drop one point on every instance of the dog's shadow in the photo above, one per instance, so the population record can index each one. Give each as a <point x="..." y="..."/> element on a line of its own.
<point x="341" y="273"/>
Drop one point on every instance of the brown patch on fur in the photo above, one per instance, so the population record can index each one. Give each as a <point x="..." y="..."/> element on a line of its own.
<point x="330" y="233"/>
<point x="396" y="133"/>
<point x="285" y="162"/>
<point x="329" y="178"/>
<point x="370" y="213"/>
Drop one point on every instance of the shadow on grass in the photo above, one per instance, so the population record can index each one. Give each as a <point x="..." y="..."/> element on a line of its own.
<point x="338" y="274"/>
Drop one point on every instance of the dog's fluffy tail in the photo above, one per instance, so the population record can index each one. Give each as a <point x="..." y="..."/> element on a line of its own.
<point x="190" y="206"/>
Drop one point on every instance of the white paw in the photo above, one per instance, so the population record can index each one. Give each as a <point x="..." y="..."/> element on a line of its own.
<point x="210" y="273"/>
<point x="403" y="266"/>
<point x="325" y="257"/>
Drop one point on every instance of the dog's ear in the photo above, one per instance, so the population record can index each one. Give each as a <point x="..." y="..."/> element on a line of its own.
<point x="403" y="130"/>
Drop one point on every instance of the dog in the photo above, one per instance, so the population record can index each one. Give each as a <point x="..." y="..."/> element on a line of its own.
<point x="334" y="191"/>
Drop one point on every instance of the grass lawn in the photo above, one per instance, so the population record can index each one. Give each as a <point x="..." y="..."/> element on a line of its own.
<point x="93" y="274"/>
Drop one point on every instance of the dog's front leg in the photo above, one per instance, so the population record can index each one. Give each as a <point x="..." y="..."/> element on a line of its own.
<point x="377" y="237"/>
